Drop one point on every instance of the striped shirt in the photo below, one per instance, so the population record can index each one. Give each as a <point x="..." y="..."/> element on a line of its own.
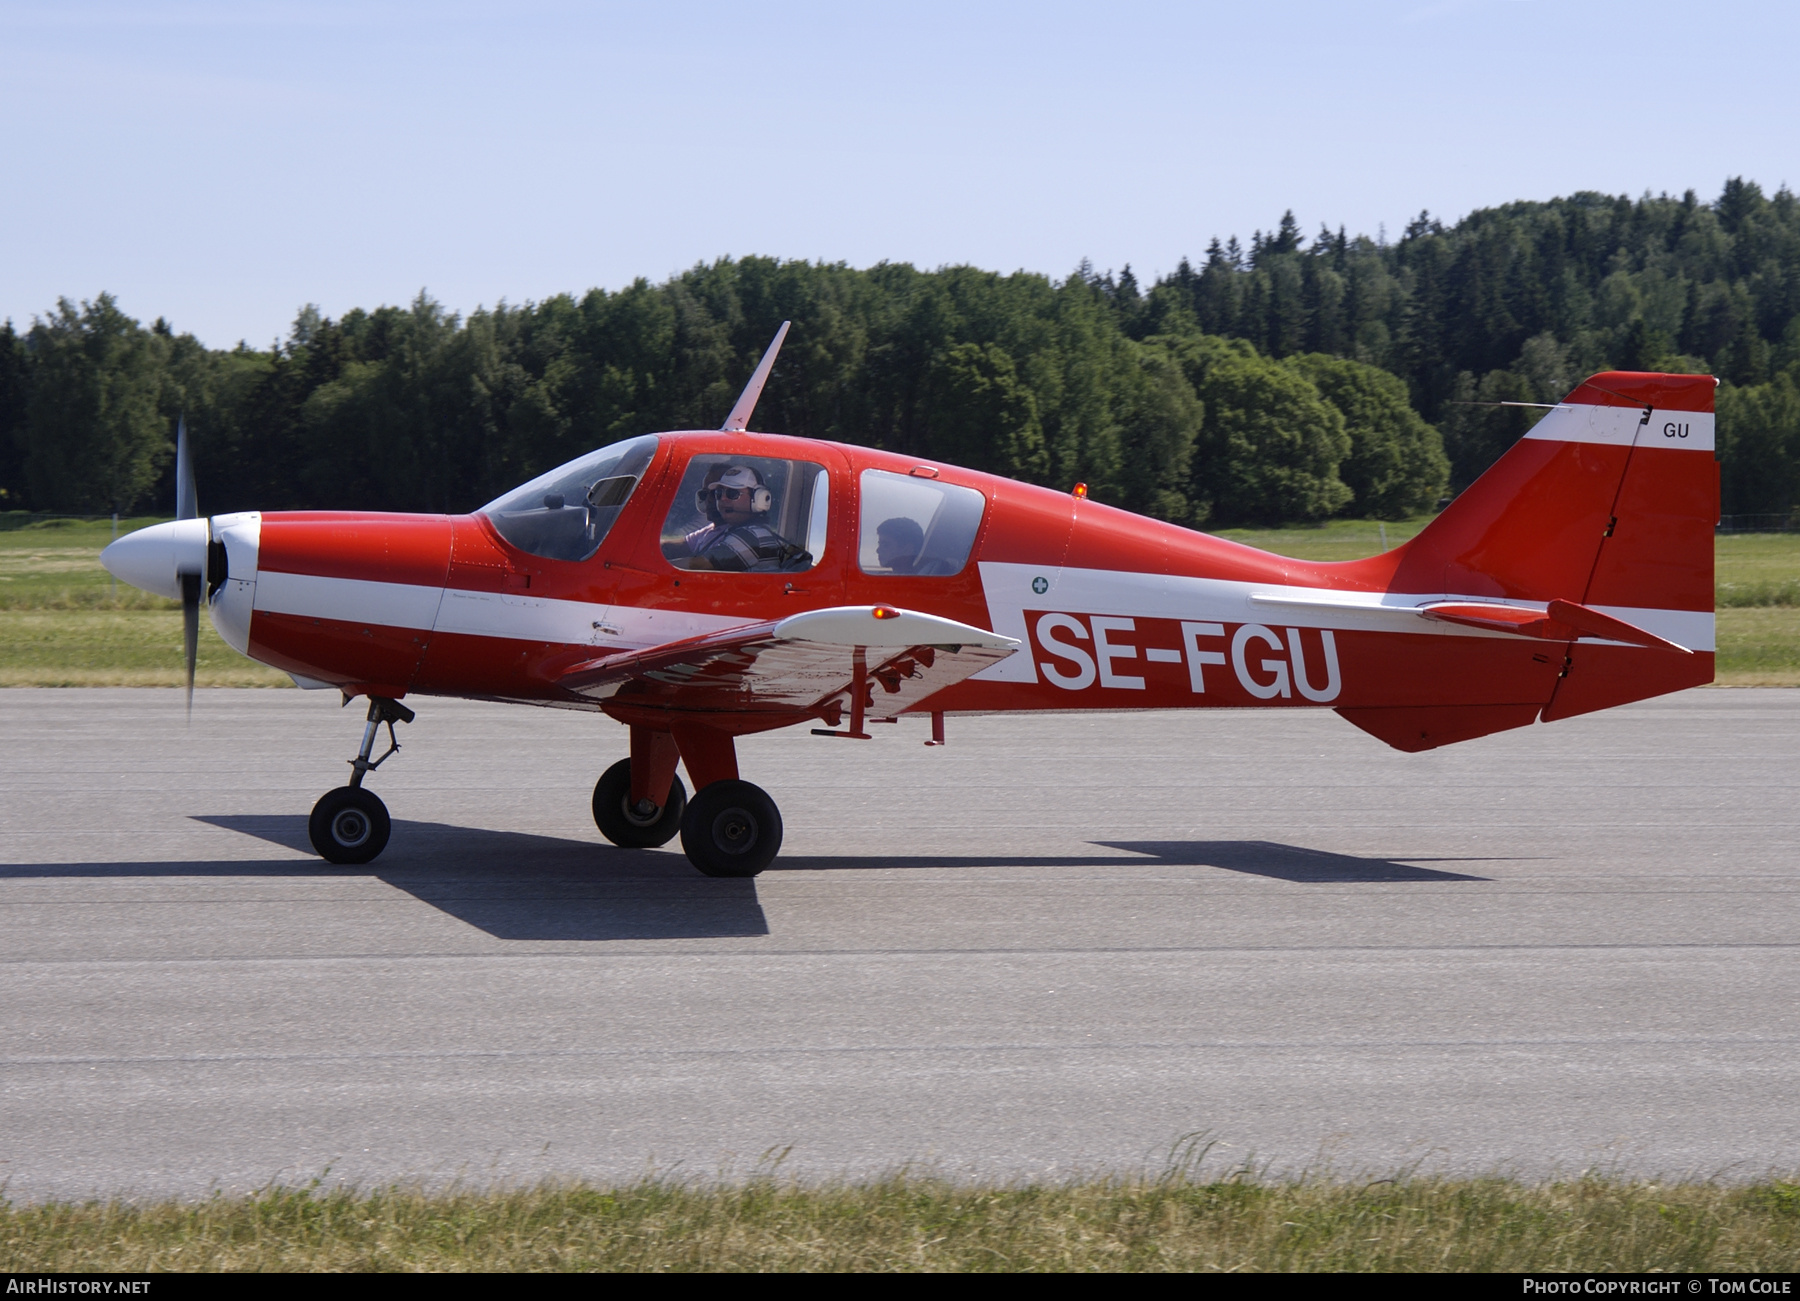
<point x="747" y="547"/>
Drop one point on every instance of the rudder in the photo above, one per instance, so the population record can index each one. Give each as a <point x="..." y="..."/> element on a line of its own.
<point x="1607" y="503"/>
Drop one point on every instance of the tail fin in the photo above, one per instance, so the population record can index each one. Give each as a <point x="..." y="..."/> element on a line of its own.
<point x="1609" y="504"/>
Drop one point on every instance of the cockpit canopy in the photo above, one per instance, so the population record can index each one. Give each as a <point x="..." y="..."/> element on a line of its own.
<point x="566" y="514"/>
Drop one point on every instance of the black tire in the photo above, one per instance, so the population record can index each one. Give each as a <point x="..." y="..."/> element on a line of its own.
<point x="731" y="828"/>
<point x="349" y="825"/>
<point x="623" y="825"/>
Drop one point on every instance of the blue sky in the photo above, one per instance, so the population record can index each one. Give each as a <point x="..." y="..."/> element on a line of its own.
<point x="222" y="163"/>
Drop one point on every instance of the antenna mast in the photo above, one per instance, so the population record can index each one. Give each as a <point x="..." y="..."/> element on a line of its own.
<point x="739" y="419"/>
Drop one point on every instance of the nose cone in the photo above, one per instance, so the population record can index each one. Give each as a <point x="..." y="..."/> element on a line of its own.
<point x="154" y="559"/>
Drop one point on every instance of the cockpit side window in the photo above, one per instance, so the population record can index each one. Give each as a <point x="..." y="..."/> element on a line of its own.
<point x="916" y="526"/>
<point x="566" y="514"/>
<point x="748" y="514"/>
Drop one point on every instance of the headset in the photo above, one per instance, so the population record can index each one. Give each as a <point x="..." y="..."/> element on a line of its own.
<point x="737" y="476"/>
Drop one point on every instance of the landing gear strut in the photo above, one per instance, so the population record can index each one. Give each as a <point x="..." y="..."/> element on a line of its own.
<point x="350" y="825"/>
<point x="728" y="827"/>
<point x="638" y="802"/>
<point x="636" y="824"/>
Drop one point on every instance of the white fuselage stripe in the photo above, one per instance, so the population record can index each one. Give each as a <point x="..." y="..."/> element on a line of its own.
<point x="518" y="616"/>
<point x="353" y="600"/>
<point x="1008" y="587"/>
<point x="1011" y="590"/>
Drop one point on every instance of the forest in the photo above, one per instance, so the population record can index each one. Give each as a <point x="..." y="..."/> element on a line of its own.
<point x="1286" y="379"/>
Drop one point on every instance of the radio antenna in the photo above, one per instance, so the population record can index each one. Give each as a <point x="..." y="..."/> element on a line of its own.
<point x="739" y="419"/>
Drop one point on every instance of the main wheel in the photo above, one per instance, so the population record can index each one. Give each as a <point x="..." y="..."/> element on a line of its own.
<point x="630" y="827"/>
<point x="349" y="825"/>
<point x="731" y="828"/>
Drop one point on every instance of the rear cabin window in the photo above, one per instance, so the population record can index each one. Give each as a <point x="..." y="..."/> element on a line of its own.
<point x="748" y="514"/>
<point x="916" y="526"/>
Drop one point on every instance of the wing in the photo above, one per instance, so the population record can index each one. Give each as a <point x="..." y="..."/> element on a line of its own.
<point x="804" y="666"/>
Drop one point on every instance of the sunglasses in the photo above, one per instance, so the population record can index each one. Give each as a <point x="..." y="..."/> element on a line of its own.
<point x="719" y="490"/>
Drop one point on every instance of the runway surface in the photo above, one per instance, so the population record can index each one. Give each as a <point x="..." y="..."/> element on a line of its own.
<point x="1056" y="945"/>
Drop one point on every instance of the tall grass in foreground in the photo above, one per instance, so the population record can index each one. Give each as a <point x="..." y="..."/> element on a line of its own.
<point x="1760" y="592"/>
<point x="903" y="1223"/>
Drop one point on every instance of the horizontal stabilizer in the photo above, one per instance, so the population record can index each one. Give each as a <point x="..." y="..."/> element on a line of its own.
<point x="1555" y="621"/>
<point x="1521" y="620"/>
<point x="1592" y="623"/>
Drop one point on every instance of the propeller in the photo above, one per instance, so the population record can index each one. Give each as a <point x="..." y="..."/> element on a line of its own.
<point x="193" y="581"/>
<point x="180" y="559"/>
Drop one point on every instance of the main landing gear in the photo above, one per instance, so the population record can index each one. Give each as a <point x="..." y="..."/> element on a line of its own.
<point x="350" y="825"/>
<point x="728" y="828"/>
<point x="636" y="824"/>
<point x="731" y="828"/>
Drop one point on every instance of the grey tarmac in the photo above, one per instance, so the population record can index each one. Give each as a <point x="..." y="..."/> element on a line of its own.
<point x="1053" y="947"/>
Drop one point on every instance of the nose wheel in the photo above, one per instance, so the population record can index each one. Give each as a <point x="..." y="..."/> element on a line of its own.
<point x="350" y="825"/>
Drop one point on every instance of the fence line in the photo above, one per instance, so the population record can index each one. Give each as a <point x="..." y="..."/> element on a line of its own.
<point x="11" y="521"/>
<point x="1787" y="522"/>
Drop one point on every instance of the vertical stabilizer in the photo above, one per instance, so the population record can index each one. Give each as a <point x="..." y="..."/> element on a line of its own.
<point x="1609" y="502"/>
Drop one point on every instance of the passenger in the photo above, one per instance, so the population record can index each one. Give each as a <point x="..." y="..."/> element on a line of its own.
<point x="898" y="544"/>
<point x="735" y="538"/>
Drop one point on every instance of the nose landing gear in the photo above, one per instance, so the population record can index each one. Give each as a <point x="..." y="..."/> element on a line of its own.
<point x="350" y="825"/>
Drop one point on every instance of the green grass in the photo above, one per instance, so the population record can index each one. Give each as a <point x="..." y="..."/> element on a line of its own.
<point x="1338" y="539"/>
<point x="64" y="622"/>
<point x="55" y="565"/>
<point x="117" y="648"/>
<point x="1757" y="569"/>
<point x="1411" y="1223"/>
<point x="1759" y="647"/>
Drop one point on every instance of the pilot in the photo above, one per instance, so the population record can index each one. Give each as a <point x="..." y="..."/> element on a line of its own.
<point x="735" y="501"/>
<point x="898" y="544"/>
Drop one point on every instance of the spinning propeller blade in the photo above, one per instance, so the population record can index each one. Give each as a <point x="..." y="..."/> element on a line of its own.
<point x="193" y="581"/>
<point x="179" y="558"/>
<point x="187" y="505"/>
<point x="190" y="629"/>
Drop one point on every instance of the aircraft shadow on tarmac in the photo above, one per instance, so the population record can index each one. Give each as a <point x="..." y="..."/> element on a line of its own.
<point x="1293" y="862"/>
<point x="1252" y="857"/>
<point x="512" y="885"/>
<point x="517" y="886"/>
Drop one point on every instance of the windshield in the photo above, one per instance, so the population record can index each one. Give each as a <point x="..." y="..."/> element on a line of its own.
<point x="565" y="514"/>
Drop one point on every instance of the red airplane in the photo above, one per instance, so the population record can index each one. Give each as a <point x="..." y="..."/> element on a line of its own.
<point x="704" y="585"/>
